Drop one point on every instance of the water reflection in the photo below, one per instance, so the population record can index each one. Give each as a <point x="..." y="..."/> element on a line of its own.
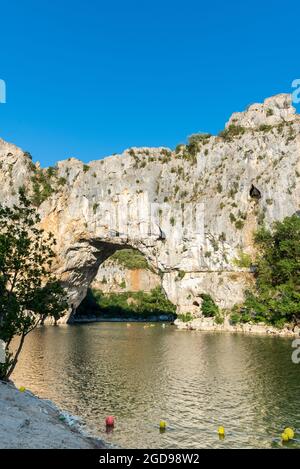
<point x="194" y="381"/>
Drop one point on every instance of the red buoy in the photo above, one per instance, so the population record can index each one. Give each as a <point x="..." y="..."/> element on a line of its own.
<point x="110" y="421"/>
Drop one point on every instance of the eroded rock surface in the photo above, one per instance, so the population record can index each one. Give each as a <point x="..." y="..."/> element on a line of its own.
<point x="191" y="213"/>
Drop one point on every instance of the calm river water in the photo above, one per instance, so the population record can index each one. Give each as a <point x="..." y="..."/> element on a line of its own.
<point x="195" y="381"/>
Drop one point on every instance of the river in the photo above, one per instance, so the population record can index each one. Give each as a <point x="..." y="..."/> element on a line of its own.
<point x="195" y="381"/>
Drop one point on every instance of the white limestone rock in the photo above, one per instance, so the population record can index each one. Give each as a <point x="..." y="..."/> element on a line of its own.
<point x="191" y="221"/>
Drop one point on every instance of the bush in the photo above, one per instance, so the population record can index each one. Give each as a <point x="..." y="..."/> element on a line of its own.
<point x="45" y="182"/>
<point x="130" y="259"/>
<point x="244" y="260"/>
<point x="185" y="317"/>
<point x="277" y="296"/>
<point x="235" y="318"/>
<point x="208" y="307"/>
<point x="42" y="188"/>
<point x="231" y="132"/>
<point x="239" y="224"/>
<point x="265" y="128"/>
<point x="180" y="275"/>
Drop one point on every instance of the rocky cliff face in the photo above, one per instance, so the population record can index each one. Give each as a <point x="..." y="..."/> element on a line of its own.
<point x="191" y="212"/>
<point x="113" y="278"/>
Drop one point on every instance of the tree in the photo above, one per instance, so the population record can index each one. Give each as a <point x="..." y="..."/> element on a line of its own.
<point x="29" y="293"/>
<point x="277" y="296"/>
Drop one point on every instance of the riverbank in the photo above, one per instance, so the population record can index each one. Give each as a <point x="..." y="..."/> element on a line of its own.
<point x="202" y="324"/>
<point x="84" y="319"/>
<point x="209" y="325"/>
<point x="29" y="422"/>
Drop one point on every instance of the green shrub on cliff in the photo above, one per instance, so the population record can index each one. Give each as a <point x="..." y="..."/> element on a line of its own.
<point x="44" y="182"/>
<point x="231" y="132"/>
<point x="208" y="307"/>
<point x="243" y="260"/>
<point x="185" y="317"/>
<point x="276" y="298"/>
<point x="130" y="259"/>
<point x="195" y="141"/>
<point x="41" y="187"/>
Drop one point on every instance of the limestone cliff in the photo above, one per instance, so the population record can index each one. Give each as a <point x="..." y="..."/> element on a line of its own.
<point x="191" y="212"/>
<point x="114" y="278"/>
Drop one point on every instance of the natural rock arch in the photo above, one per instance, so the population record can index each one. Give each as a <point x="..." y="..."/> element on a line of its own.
<point x="190" y="214"/>
<point x="84" y="259"/>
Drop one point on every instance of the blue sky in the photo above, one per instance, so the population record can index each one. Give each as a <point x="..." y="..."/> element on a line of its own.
<point x="91" y="78"/>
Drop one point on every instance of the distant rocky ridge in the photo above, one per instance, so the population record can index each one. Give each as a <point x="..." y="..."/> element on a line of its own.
<point x="191" y="212"/>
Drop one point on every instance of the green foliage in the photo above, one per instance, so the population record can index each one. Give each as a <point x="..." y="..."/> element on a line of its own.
<point x="180" y="275"/>
<point x="244" y="260"/>
<point x="51" y="171"/>
<point x="234" y="189"/>
<point x="41" y="186"/>
<point x="167" y="155"/>
<point x="219" y="318"/>
<point x="232" y="218"/>
<point x="265" y="128"/>
<point x="239" y="224"/>
<point x="195" y="141"/>
<point x="185" y="317"/>
<point x="61" y="181"/>
<point x="130" y="259"/>
<point x="179" y="148"/>
<point x="208" y="307"/>
<point x="95" y="206"/>
<point x="231" y="132"/>
<point x="44" y="183"/>
<point x="85" y="168"/>
<point x="235" y="317"/>
<point x="126" y="304"/>
<point x="172" y="221"/>
<point x="277" y="296"/>
<point x="28" y="292"/>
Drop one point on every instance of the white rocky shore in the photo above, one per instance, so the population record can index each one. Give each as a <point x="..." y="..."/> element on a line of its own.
<point x="29" y="422"/>
<point x="209" y="325"/>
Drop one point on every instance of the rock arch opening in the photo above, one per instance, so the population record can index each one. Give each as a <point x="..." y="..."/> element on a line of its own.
<point x="119" y="283"/>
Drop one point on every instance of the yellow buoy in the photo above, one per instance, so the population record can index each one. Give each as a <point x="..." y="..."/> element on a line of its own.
<point x="22" y="389"/>
<point x="284" y="436"/>
<point x="289" y="432"/>
<point x="162" y="425"/>
<point x="221" y="431"/>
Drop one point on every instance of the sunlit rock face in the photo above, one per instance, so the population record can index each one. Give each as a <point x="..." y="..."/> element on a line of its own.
<point x="114" y="278"/>
<point x="192" y="217"/>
